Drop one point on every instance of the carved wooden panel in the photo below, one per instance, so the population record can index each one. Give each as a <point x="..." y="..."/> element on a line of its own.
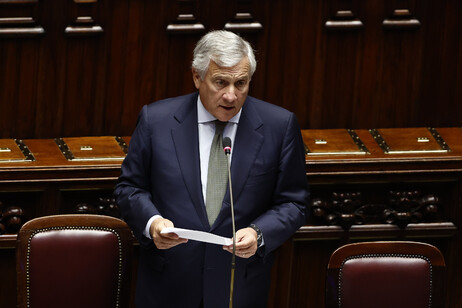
<point x="16" y="207"/>
<point x="89" y="201"/>
<point x="396" y="207"/>
<point x="11" y="219"/>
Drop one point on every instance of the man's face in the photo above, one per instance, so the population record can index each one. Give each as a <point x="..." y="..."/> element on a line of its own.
<point x="224" y="89"/>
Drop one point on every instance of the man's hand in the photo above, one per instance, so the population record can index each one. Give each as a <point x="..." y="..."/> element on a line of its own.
<point x="246" y="243"/>
<point x="167" y="240"/>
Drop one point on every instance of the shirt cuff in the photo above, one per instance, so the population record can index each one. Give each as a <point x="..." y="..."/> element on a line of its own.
<point x="148" y="226"/>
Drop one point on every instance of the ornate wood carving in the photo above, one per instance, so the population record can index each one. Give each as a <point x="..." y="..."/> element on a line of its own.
<point x="104" y="206"/>
<point x="400" y="208"/>
<point x="11" y="219"/>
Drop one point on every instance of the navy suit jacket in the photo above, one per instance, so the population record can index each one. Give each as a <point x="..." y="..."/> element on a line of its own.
<point x="161" y="176"/>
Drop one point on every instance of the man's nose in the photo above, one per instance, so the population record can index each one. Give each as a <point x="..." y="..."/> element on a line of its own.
<point x="230" y="94"/>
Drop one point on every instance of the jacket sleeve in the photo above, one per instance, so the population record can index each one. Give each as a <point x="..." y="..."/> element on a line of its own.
<point x="290" y="197"/>
<point x="133" y="189"/>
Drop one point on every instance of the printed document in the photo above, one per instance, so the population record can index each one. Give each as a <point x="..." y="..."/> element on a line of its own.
<point x="199" y="236"/>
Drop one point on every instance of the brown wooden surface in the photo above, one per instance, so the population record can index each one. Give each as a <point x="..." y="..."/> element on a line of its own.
<point x="94" y="148"/>
<point x="87" y="83"/>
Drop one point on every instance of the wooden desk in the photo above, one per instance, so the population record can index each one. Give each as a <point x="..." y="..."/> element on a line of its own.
<point x="353" y="182"/>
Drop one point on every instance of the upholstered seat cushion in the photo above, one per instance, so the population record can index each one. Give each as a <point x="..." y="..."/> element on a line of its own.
<point x="66" y="263"/>
<point x="386" y="281"/>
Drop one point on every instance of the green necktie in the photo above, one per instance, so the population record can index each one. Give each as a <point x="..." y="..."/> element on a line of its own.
<point x="217" y="176"/>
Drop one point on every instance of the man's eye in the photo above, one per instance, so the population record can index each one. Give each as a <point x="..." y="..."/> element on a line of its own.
<point x="220" y="82"/>
<point x="240" y="83"/>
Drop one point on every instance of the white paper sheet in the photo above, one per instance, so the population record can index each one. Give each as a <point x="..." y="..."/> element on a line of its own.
<point x="199" y="236"/>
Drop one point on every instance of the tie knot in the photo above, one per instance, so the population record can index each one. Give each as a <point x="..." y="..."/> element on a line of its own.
<point x="219" y="127"/>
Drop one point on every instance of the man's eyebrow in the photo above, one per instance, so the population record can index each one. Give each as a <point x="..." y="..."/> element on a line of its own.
<point x="226" y="76"/>
<point x="246" y="76"/>
<point x="218" y="76"/>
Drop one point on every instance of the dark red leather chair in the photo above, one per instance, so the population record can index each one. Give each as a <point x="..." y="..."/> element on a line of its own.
<point x="70" y="261"/>
<point x="386" y="274"/>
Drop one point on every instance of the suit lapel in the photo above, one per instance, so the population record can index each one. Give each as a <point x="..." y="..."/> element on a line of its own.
<point x="186" y="140"/>
<point x="247" y="145"/>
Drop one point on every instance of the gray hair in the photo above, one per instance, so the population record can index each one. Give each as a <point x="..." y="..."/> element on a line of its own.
<point x="225" y="48"/>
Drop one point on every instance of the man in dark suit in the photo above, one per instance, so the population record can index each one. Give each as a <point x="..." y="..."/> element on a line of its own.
<point x="165" y="175"/>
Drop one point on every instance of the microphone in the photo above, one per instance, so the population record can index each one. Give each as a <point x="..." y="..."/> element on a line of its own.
<point x="227" y="148"/>
<point x="227" y="145"/>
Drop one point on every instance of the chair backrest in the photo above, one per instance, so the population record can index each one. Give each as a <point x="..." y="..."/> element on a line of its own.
<point x="386" y="274"/>
<point x="74" y="261"/>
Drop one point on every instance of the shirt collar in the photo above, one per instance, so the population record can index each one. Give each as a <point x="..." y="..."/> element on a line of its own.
<point x="203" y="116"/>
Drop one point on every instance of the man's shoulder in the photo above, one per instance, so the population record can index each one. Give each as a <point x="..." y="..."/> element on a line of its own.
<point x="172" y="103"/>
<point x="163" y="109"/>
<point x="266" y="109"/>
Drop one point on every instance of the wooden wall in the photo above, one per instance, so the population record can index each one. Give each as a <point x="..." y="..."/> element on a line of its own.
<point x="336" y="63"/>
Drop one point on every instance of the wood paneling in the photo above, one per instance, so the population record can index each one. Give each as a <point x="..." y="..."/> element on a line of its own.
<point x="57" y="84"/>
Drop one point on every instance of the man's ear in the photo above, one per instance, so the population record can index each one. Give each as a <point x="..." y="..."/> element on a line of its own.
<point x="196" y="78"/>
